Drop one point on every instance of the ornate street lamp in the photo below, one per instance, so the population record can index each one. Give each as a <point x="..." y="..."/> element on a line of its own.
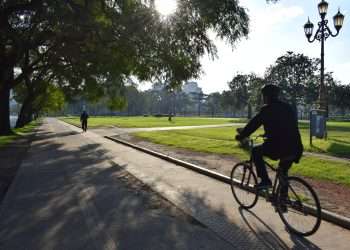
<point x="322" y="33"/>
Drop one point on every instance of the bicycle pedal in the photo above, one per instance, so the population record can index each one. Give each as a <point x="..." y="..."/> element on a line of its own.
<point x="263" y="190"/>
<point x="265" y="193"/>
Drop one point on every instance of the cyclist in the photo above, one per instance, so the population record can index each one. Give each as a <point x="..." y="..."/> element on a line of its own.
<point x="83" y="119"/>
<point x="282" y="137"/>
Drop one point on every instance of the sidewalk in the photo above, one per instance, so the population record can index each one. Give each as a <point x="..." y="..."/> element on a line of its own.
<point x="117" y="131"/>
<point x="11" y="157"/>
<point x="67" y="195"/>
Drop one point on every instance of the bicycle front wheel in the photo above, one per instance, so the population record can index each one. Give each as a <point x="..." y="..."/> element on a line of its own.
<point x="243" y="182"/>
<point x="299" y="207"/>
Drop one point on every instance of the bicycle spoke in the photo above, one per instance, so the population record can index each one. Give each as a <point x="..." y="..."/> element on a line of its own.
<point x="244" y="194"/>
<point x="299" y="207"/>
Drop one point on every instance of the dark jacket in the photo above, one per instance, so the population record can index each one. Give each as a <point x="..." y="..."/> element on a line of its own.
<point x="84" y="116"/>
<point x="281" y="130"/>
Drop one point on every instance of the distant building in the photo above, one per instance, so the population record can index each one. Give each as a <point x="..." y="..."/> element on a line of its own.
<point x="191" y="88"/>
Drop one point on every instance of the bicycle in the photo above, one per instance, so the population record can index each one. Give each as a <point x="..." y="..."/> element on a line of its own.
<point x="293" y="198"/>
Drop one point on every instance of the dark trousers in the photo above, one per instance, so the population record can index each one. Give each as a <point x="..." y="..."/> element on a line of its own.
<point x="258" y="153"/>
<point x="84" y="124"/>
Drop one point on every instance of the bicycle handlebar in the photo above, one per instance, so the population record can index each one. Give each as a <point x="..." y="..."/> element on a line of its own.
<point x="254" y="138"/>
<point x="249" y="141"/>
<point x="259" y="136"/>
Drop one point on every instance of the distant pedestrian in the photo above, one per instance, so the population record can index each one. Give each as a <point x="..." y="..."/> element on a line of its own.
<point x="83" y="119"/>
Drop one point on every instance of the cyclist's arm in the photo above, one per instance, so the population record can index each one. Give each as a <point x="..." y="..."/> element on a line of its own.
<point x="252" y="125"/>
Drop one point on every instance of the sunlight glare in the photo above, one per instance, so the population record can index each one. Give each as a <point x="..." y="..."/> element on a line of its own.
<point x="166" y="7"/>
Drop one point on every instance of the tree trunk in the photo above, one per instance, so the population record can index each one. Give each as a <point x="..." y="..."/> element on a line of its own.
<point x="170" y="113"/>
<point x="342" y="110"/>
<point x="26" y="114"/>
<point x="5" y="127"/>
<point x="249" y="111"/>
<point x="295" y="108"/>
<point x="6" y="77"/>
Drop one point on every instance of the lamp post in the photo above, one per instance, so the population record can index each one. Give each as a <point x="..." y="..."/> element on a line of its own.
<point x="322" y="33"/>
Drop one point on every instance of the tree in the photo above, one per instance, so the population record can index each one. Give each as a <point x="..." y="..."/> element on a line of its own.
<point x="239" y="88"/>
<point x="45" y="98"/>
<point x="213" y="102"/>
<point x="311" y="91"/>
<point x="339" y="96"/>
<point x="199" y="98"/>
<point x="292" y="72"/>
<point x="183" y="102"/>
<point x="227" y="102"/>
<point x="245" y="90"/>
<point x="28" y="95"/>
<point x="151" y="101"/>
<point x="255" y="98"/>
<point x="135" y="101"/>
<point x="36" y="34"/>
<point x="51" y="101"/>
<point x="89" y="45"/>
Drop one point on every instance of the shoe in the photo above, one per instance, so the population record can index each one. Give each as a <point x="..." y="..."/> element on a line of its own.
<point x="264" y="185"/>
<point x="283" y="206"/>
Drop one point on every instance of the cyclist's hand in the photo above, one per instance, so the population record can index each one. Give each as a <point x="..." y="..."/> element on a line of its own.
<point x="243" y="143"/>
<point x="239" y="137"/>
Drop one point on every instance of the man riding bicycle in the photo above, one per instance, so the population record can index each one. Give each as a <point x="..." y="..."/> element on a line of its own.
<point x="283" y="141"/>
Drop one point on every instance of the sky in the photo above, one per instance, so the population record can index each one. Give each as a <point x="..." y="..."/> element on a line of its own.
<point x="274" y="30"/>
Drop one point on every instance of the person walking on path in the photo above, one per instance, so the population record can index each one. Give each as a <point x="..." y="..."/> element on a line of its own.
<point x="83" y="119"/>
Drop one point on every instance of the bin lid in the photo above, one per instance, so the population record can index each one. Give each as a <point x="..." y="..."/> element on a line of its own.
<point x="317" y="111"/>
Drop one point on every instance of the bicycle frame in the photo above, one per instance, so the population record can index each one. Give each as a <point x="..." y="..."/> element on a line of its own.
<point x="284" y="196"/>
<point x="275" y="184"/>
<point x="277" y="177"/>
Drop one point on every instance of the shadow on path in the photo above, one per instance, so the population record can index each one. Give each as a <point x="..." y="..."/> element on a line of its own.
<point x="269" y="237"/>
<point x="67" y="195"/>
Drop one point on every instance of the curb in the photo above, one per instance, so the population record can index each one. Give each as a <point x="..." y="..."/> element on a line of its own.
<point x="325" y="214"/>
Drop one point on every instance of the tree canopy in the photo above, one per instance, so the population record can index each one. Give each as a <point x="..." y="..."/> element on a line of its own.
<point x="93" y="47"/>
<point x="292" y="72"/>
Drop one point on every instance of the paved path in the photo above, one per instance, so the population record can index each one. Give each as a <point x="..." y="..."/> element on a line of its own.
<point x="67" y="195"/>
<point x="116" y="131"/>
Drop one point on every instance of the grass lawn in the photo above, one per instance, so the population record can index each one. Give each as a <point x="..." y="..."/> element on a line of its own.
<point x="221" y="141"/>
<point x="148" y="122"/>
<point x="338" y="143"/>
<point x="18" y="132"/>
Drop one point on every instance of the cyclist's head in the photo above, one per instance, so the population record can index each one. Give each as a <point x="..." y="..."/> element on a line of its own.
<point x="270" y="92"/>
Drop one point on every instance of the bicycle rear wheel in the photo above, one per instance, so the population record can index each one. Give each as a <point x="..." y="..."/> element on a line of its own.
<point x="243" y="182"/>
<point x="299" y="207"/>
